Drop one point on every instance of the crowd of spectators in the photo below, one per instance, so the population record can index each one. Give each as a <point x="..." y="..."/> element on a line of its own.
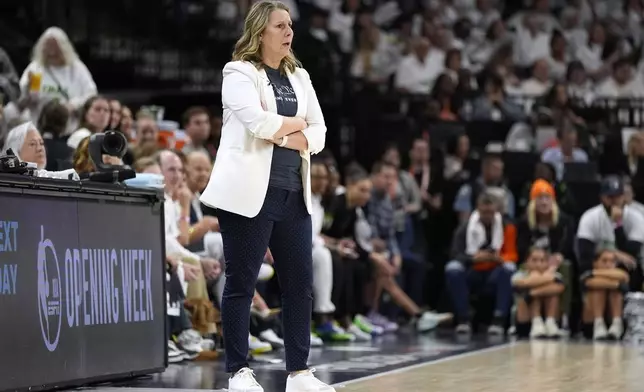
<point x="524" y="255"/>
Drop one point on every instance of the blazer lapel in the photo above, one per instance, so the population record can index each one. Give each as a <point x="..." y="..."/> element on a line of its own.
<point x="266" y="93"/>
<point x="299" y="93"/>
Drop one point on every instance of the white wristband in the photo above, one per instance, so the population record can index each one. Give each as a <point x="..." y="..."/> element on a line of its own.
<point x="284" y="141"/>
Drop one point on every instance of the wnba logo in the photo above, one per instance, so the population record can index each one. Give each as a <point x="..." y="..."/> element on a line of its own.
<point x="49" y="299"/>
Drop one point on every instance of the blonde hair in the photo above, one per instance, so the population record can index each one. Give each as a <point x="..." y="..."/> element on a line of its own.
<point x="248" y="47"/>
<point x="65" y="45"/>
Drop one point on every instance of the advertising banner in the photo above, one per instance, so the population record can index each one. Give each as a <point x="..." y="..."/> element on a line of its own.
<point x="81" y="290"/>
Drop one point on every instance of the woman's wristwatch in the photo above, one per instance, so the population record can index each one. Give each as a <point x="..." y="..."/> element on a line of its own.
<point x="284" y="141"/>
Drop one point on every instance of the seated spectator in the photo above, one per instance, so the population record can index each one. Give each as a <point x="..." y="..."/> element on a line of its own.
<point x="605" y="285"/>
<point x="458" y="150"/>
<point x="538" y="286"/>
<point x="196" y="123"/>
<point x="147" y="131"/>
<point x="558" y="59"/>
<point x="127" y="122"/>
<point x="27" y="144"/>
<point x="323" y="307"/>
<point x="418" y="70"/>
<point x="491" y="180"/>
<point x="204" y="229"/>
<point x="82" y="161"/>
<point x="52" y="125"/>
<point x="442" y="96"/>
<point x="566" y="151"/>
<point x="564" y="198"/>
<point x="493" y="105"/>
<point x="579" y="84"/>
<point x="116" y="113"/>
<point x="385" y="256"/>
<point x="546" y="227"/>
<point x="478" y="265"/>
<point x="538" y="83"/>
<point x="351" y="261"/>
<point x="622" y="83"/>
<point x="611" y="225"/>
<point x="62" y="75"/>
<point x="94" y="118"/>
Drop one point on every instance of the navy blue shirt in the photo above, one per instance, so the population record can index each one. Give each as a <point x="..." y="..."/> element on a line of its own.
<point x="285" y="168"/>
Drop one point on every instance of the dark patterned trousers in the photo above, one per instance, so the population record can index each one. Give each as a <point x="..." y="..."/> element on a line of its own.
<point x="284" y="225"/>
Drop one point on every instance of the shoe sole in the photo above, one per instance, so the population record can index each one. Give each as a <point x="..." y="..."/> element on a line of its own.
<point x="261" y="350"/>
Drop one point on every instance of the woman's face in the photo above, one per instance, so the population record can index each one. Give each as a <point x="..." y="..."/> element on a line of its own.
<point x="605" y="261"/>
<point x="319" y="179"/>
<point x="543" y="204"/>
<point x="126" y="119"/>
<point x="33" y="149"/>
<point x="52" y="52"/>
<point x="537" y="261"/>
<point x="115" y="113"/>
<point x="277" y="37"/>
<point x="98" y="115"/>
<point x="360" y="192"/>
<point x="463" y="147"/>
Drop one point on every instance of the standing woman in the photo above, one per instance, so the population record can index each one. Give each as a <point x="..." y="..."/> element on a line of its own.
<point x="260" y="184"/>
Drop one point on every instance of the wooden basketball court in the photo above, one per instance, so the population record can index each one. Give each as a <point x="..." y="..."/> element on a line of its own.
<point x="539" y="366"/>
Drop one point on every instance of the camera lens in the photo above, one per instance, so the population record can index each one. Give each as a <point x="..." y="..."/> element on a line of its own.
<point x="114" y="143"/>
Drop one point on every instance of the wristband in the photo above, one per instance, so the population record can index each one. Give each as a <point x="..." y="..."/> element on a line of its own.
<point x="284" y="141"/>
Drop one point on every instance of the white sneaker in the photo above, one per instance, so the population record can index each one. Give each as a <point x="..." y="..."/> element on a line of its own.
<point x="175" y="355"/>
<point x="244" y="381"/>
<point x="316" y="341"/>
<point x="269" y="336"/>
<point x="616" y="329"/>
<point x="207" y="344"/>
<point x="495" y="330"/>
<point x="306" y="382"/>
<point x="538" y="328"/>
<point x="552" y="329"/>
<point x="599" y="330"/>
<point x="463" y="329"/>
<point x="430" y="320"/>
<point x="190" y="341"/>
<point x="360" y="335"/>
<point x="256" y="346"/>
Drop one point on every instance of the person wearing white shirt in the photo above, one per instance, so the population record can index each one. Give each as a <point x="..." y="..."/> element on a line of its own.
<point x="622" y="84"/>
<point x="418" y="71"/>
<point x="542" y="13"/>
<point x="341" y="23"/>
<point x="56" y="72"/>
<point x="530" y="43"/>
<point x="261" y="187"/>
<point x="558" y="59"/>
<point x="177" y="216"/>
<point x="539" y="83"/>
<point x="373" y="61"/>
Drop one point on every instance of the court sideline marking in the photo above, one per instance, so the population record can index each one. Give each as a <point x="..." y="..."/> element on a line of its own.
<point x="419" y="365"/>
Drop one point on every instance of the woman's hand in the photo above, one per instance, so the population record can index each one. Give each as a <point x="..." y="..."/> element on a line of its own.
<point x="296" y="141"/>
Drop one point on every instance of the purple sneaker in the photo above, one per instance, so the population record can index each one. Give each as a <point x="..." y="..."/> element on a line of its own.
<point x="383" y="322"/>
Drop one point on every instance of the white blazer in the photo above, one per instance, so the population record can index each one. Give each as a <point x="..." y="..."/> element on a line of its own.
<point x="239" y="178"/>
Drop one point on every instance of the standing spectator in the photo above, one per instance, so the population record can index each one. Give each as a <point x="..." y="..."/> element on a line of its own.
<point x="196" y="123"/>
<point x="56" y="72"/>
<point x="478" y="265"/>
